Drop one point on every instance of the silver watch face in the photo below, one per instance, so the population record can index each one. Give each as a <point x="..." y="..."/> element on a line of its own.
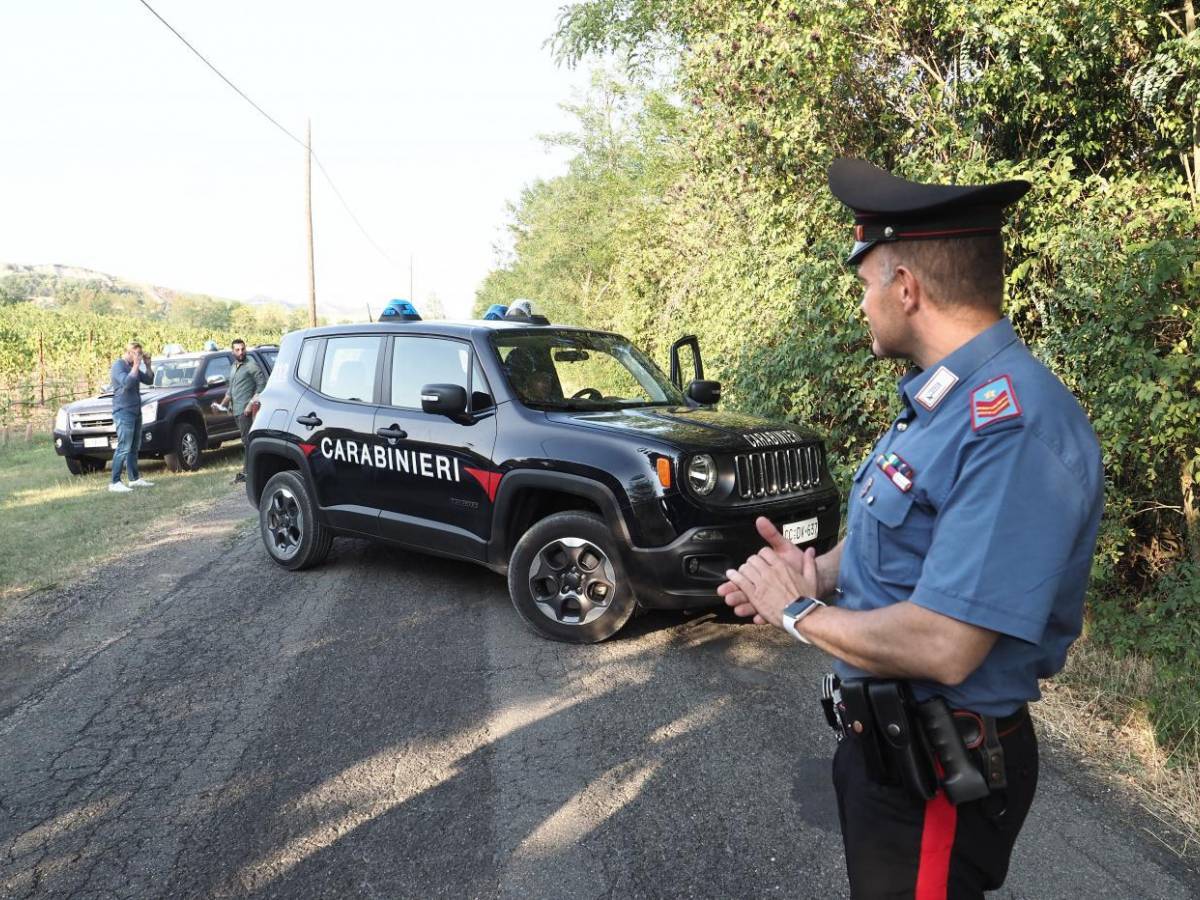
<point x="798" y="608"/>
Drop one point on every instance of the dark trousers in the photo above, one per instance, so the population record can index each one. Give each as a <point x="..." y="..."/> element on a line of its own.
<point x="244" y="423"/>
<point x="898" y="847"/>
<point x="129" y="442"/>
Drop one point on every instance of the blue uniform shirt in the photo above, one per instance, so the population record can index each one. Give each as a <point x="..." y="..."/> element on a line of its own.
<point x="982" y="503"/>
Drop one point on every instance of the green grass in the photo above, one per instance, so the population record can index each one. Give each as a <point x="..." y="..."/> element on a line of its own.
<point x="53" y="525"/>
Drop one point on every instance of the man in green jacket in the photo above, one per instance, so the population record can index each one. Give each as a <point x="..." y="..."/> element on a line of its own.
<point x="246" y="382"/>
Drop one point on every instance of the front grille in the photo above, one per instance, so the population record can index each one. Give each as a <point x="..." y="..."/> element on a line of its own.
<point x="775" y="473"/>
<point x="92" y="420"/>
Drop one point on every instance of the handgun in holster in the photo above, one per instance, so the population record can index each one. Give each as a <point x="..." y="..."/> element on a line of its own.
<point x="954" y="739"/>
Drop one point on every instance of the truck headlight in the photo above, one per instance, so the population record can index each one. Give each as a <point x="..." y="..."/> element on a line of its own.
<point x="149" y="412"/>
<point x="60" y="420"/>
<point x="702" y="474"/>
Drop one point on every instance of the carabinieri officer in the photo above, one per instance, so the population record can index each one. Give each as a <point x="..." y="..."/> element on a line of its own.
<point x="970" y="533"/>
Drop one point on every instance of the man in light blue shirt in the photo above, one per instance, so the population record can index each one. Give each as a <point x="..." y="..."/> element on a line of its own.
<point x="128" y="373"/>
<point x="970" y="532"/>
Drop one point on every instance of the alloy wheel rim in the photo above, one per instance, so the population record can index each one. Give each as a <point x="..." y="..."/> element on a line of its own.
<point x="191" y="448"/>
<point x="285" y="523"/>
<point x="572" y="581"/>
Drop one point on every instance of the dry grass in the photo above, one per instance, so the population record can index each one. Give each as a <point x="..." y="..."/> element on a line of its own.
<point x="53" y="525"/>
<point x="1096" y="707"/>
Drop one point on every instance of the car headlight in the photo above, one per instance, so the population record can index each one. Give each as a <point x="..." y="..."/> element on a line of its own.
<point x="702" y="474"/>
<point x="60" y="420"/>
<point x="149" y="412"/>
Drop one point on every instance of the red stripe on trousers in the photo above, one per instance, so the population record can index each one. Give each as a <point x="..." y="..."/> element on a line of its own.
<point x="937" y="840"/>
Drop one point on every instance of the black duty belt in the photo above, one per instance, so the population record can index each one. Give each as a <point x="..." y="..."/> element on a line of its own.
<point x="923" y="745"/>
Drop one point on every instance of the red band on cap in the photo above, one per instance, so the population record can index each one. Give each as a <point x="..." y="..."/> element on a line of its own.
<point x="952" y="232"/>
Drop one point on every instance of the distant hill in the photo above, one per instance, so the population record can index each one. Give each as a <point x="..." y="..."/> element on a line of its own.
<point x="73" y="287"/>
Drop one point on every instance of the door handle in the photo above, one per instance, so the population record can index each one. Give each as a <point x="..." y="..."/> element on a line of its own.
<point x="310" y="420"/>
<point x="395" y="432"/>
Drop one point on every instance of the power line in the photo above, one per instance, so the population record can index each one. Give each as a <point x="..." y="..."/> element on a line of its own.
<point x="271" y="119"/>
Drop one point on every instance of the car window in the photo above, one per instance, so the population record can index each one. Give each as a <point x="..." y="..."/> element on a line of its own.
<point x="418" y="361"/>
<point x="175" y="372"/>
<point x="348" y="372"/>
<point x="268" y="357"/>
<point x="581" y="370"/>
<point x="308" y="356"/>
<point x="218" y="365"/>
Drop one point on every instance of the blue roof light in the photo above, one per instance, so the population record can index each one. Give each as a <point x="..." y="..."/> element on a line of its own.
<point x="400" y="309"/>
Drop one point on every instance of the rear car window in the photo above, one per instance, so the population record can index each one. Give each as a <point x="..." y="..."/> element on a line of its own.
<point x="348" y="371"/>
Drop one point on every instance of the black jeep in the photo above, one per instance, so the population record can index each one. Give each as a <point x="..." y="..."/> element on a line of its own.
<point x="562" y="457"/>
<point x="178" y="420"/>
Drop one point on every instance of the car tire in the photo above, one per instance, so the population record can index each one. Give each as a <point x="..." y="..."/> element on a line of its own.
<point x="185" y="448"/>
<point x="287" y="519"/>
<point x="84" y="465"/>
<point x="566" y="579"/>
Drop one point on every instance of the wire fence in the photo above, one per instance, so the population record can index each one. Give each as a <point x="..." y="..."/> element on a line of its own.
<point x="28" y="406"/>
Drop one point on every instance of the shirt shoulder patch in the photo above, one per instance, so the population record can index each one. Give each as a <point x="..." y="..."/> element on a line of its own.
<point x="994" y="401"/>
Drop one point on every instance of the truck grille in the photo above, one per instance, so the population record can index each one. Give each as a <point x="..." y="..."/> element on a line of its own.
<point x="92" y="420"/>
<point x="774" y="473"/>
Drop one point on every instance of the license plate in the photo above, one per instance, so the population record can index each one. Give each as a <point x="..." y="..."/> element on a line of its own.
<point x="95" y="442"/>
<point x="800" y="532"/>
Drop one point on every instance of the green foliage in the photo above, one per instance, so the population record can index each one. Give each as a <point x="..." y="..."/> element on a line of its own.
<point x="1164" y="625"/>
<point x="77" y="347"/>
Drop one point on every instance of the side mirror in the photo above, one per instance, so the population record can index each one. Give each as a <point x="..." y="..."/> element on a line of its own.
<point x="444" y="399"/>
<point x="706" y="393"/>
<point x="691" y="341"/>
<point x="214" y="380"/>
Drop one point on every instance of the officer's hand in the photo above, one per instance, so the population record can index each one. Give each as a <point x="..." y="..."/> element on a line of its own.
<point x="770" y="584"/>
<point x="791" y="555"/>
<point x="738" y="601"/>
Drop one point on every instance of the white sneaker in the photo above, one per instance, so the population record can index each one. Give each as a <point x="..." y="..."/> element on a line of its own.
<point x="141" y="482"/>
<point x="118" y="487"/>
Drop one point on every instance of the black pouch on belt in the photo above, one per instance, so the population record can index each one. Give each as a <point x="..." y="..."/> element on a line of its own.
<point x="860" y="724"/>
<point x="904" y="744"/>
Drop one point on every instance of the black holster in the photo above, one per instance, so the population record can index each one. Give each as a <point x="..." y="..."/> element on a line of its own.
<point x="918" y="745"/>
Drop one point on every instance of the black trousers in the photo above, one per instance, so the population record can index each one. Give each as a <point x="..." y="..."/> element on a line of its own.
<point x="898" y="847"/>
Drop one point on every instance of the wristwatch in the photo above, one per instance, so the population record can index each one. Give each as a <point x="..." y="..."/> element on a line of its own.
<point x="797" y="610"/>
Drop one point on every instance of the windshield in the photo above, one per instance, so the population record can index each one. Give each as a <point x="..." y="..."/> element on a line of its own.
<point x="176" y="371"/>
<point x="581" y="370"/>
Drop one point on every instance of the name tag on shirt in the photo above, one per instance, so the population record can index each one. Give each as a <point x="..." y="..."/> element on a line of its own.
<point x="936" y="388"/>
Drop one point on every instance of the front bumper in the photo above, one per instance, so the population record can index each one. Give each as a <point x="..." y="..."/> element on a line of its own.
<point x="75" y="443"/>
<point x="685" y="573"/>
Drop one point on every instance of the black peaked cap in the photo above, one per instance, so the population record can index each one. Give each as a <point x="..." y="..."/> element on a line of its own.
<point x="887" y="208"/>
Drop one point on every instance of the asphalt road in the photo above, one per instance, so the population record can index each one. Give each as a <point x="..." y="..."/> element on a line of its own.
<point x="195" y="721"/>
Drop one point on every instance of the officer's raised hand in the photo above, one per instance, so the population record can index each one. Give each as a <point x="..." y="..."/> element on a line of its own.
<point x="789" y="555"/>
<point x="767" y="582"/>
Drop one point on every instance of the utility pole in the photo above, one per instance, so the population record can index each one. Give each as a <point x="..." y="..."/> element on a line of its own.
<point x="312" y="276"/>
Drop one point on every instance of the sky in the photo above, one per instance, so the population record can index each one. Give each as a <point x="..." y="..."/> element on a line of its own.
<point x="121" y="151"/>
